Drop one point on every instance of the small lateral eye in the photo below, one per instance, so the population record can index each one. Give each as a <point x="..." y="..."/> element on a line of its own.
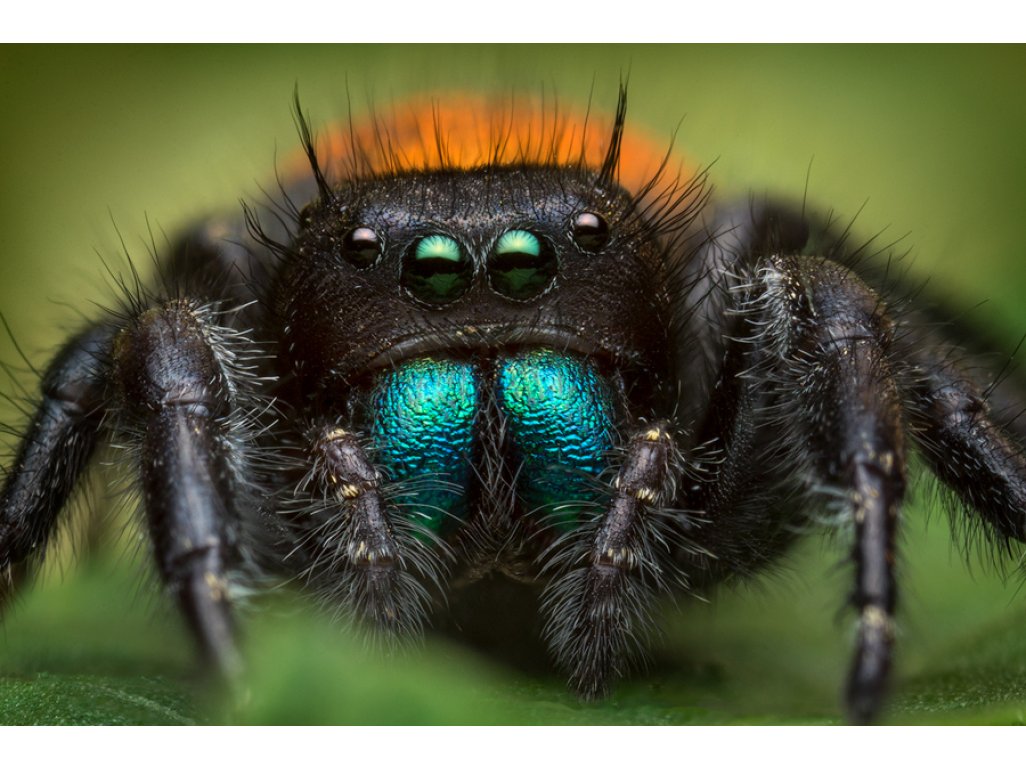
<point x="590" y="231"/>
<point x="522" y="265"/>
<point x="436" y="269"/>
<point x="361" y="247"/>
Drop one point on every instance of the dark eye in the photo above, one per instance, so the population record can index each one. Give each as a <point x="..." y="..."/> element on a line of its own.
<point x="522" y="265"/>
<point x="436" y="269"/>
<point x="361" y="247"/>
<point x="590" y="231"/>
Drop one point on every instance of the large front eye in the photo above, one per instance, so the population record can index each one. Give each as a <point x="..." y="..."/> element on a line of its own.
<point x="522" y="265"/>
<point x="436" y="269"/>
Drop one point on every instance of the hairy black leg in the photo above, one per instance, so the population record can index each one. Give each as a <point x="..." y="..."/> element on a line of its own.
<point x="739" y="234"/>
<point x="56" y="448"/>
<point x="963" y="446"/>
<point x="964" y="401"/>
<point x="180" y="398"/>
<point x="738" y="478"/>
<point x="745" y="522"/>
<point x="833" y="338"/>
<point x="599" y="609"/>
<point x="356" y="554"/>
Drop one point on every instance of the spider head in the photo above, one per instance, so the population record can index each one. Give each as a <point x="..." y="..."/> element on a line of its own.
<point x="472" y="261"/>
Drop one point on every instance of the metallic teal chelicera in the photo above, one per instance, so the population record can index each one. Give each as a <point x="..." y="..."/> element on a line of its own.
<point x="559" y="422"/>
<point x="559" y="414"/>
<point x="424" y="413"/>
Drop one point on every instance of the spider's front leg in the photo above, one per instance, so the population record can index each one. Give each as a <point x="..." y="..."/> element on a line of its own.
<point x="173" y="366"/>
<point x="829" y="343"/>
<point x="173" y="371"/>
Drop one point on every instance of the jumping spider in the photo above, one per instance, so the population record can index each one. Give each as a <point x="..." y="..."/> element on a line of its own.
<point x="486" y="347"/>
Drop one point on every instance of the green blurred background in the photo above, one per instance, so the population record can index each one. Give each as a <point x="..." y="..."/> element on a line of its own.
<point x="925" y="141"/>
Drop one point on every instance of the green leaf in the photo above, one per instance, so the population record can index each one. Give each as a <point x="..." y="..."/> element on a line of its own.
<point x="91" y="648"/>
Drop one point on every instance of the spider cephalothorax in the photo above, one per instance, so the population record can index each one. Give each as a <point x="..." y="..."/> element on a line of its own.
<point x="499" y="345"/>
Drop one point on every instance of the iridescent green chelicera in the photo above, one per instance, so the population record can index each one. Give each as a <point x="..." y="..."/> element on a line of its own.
<point x="436" y="269"/>
<point x="559" y="416"/>
<point x="424" y="412"/>
<point x="522" y="265"/>
<point x="557" y="412"/>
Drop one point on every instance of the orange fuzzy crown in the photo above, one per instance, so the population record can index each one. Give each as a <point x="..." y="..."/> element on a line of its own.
<point x="469" y="131"/>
